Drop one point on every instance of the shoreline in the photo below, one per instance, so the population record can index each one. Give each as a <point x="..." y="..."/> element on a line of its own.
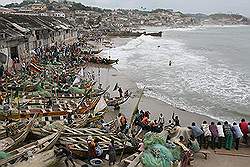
<point x="218" y="115"/>
<point x="156" y="106"/>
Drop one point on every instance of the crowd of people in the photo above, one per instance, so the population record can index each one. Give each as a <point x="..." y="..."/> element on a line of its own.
<point x="95" y="151"/>
<point x="221" y="134"/>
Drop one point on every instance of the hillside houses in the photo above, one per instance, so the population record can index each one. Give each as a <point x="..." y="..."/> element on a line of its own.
<point x="19" y="34"/>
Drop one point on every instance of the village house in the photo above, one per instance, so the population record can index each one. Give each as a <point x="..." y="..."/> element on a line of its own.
<point x="37" y="7"/>
<point x="20" y="34"/>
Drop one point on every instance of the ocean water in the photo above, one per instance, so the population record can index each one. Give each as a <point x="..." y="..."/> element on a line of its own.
<point x="210" y="71"/>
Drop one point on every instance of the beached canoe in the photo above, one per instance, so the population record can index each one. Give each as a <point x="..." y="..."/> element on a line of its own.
<point x="73" y="129"/>
<point x="9" y="143"/>
<point x="79" y="146"/>
<point x="133" y="160"/>
<point x="86" y="119"/>
<point x="12" y="128"/>
<point x="36" y="147"/>
<point x="48" y="114"/>
<point x="118" y="100"/>
<point x="92" y="52"/>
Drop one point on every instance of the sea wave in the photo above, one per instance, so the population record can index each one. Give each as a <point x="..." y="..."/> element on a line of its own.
<point x="192" y="83"/>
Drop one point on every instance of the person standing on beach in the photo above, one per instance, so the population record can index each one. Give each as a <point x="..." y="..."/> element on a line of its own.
<point x="220" y="134"/>
<point x="244" y="129"/>
<point x="228" y="135"/>
<point x="237" y="134"/>
<point x="176" y="120"/>
<point x="112" y="152"/>
<point x="207" y="134"/>
<point x="120" y="91"/>
<point x="214" y="131"/>
<point x="67" y="153"/>
<point x="197" y="132"/>
<point x="91" y="148"/>
<point x="161" y="120"/>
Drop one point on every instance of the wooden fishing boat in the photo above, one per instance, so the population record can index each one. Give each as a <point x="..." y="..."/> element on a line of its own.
<point x="132" y="160"/>
<point x="98" y="60"/>
<point x="155" y="34"/>
<point x="100" y="92"/>
<point x="59" y="112"/>
<point x="118" y="100"/>
<point x="82" y="122"/>
<point x="63" y="94"/>
<point x="36" y="147"/>
<point x="73" y="129"/>
<point x="79" y="146"/>
<point x="92" y="52"/>
<point x="11" y="142"/>
<point x="18" y="85"/>
<point x="12" y="128"/>
<point x="110" y="61"/>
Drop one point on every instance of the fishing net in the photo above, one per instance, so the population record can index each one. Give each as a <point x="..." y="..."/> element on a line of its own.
<point x="4" y="155"/>
<point x="76" y="90"/>
<point x="176" y="152"/>
<point x="151" y="139"/>
<point x="44" y="93"/>
<point x="156" y="153"/>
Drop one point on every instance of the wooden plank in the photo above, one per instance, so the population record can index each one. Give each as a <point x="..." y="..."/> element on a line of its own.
<point x="102" y="133"/>
<point x="136" y="161"/>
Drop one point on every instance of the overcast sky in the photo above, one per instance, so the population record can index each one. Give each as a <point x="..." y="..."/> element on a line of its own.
<point x="186" y="6"/>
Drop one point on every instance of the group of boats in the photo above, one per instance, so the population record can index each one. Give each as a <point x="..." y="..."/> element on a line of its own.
<point x="43" y="109"/>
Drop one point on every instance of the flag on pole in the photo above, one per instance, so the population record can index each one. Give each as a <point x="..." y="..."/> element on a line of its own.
<point x="101" y="105"/>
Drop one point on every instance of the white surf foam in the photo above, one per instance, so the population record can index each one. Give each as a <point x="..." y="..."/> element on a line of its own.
<point x="192" y="82"/>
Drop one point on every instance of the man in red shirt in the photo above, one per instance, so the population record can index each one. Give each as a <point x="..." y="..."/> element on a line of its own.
<point x="244" y="129"/>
